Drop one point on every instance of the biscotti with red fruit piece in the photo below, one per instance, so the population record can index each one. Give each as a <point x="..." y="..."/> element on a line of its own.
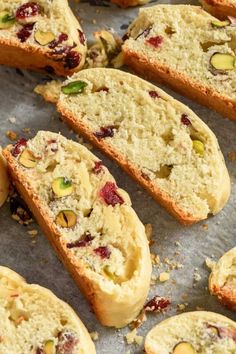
<point x="88" y="220"/>
<point x="188" y="49"/>
<point x="41" y="35"/>
<point x="159" y="141"/>
<point x="33" y="320"/>
<point x="193" y="332"/>
<point x="220" y="8"/>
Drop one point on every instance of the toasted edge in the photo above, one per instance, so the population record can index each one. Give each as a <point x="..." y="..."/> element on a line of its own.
<point x="219" y="8"/>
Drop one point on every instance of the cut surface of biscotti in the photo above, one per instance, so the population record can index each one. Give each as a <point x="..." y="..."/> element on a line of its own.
<point x="187" y="48"/>
<point x="156" y="139"/>
<point x="41" y="35"/>
<point x="4" y="181"/>
<point x="220" y="8"/>
<point x="222" y="280"/>
<point x="129" y="3"/>
<point x="34" y="321"/>
<point x="88" y="220"/>
<point x="191" y="333"/>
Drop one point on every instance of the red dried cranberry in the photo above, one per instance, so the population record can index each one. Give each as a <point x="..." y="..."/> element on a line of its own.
<point x="62" y="37"/>
<point x="27" y="10"/>
<point x="154" y="94"/>
<point x="24" y="33"/>
<point x="155" y="41"/>
<point x="66" y="342"/>
<point x="157" y="304"/>
<point x="54" y="147"/>
<point x="81" y="37"/>
<point x="72" y="59"/>
<point x="83" y="242"/>
<point x="97" y="167"/>
<point x="103" y="252"/>
<point x="185" y="120"/>
<point x="17" y="148"/>
<point x="39" y="351"/>
<point x="105" y="132"/>
<point x="109" y="194"/>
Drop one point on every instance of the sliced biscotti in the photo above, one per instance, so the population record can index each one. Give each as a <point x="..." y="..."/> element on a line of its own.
<point x="192" y="333"/>
<point x="129" y="3"/>
<point x="188" y="49"/>
<point x="222" y="280"/>
<point x="4" y="182"/>
<point x="88" y="220"/>
<point x="220" y="8"/>
<point x="41" y="35"/>
<point x="156" y="139"/>
<point x="34" y="321"/>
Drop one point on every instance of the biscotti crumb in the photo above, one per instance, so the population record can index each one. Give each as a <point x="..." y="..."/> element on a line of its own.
<point x="132" y="337"/>
<point x="149" y="231"/>
<point x="196" y="276"/>
<point x="94" y="335"/>
<point x="164" y="276"/>
<point x="210" y="263"/>
<point x="205" y="227"/>
<point x="12" y="120"/>
<point x="155" y="259"/>
<point x="10" y="134"/>
<point x="26" y="130"/>
<point x="232" y="156"/>
<point x="139" y="320"/>
<point x="33" y="233"/>
<point x="182" y="307"/>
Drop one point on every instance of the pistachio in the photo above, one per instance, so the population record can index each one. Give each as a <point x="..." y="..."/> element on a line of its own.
<point x="44" y="38"/>
<point x="62" y="187"/>
<point x="220" y="24"/>
<point x="49" y="347"/>
<point x="199" y="147"/>
<point x="6" y="20"/>
<point x="27" y="159"/>
<point x="66" y="218"/>
<point x="221" y="61"/>
<point x="183" y="348"/>
<point x="74" y="87"/>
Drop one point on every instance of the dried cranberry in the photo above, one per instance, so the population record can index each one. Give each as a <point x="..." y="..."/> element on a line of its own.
<point x="81" y="37"/>
<point x="67" y="340"/>
<point x="27" y="10"/>
<point x="145" y="33"/>
<point x="83" y="242"/>
<point x="105" y="132"/>
<point x="72" y="59"/>
<point x="155" y="41"/>
<point x="17" y="148"/>
<point x="154" y="94"/>
<point x="103" y="252"/>
<point x="19" y="208"/>
<point x="54" y="147"/>
<point x="185" y="120"/>
<point x="24" y="33"/>
<point x="109" y="194"/>
<point x="39" y="351"/>
<point x="157" y="304"/>
<point x="97" y="167"/>
<point x="62" y="37"/>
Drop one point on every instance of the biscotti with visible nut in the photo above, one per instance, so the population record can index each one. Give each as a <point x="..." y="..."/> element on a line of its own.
<point x="4" y="182"/>
<point x="220" y="8"/>
<point x="88" y="220"/>
<point x="222" y="280"/>
<point x="188" y="49"/>
<point x="193" y="332"/>
<point x="159" y="141"/>
<point x="41" y="35"/>
<point x="34" y="321"/>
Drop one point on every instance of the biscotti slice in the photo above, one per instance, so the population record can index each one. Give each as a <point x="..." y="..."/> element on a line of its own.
<point x="4" y="182"/>
<point x="159" y="141"/>
<point x="41" y="35"/>
<point x="34" y="321"/>
<point x="220" y="8"/>
<point x="191" y="333"/>
<point x="88" y="220"/>
<point x="222" y="280"/>
<point x="129" y="3"/>
<point x="190" y="50"/>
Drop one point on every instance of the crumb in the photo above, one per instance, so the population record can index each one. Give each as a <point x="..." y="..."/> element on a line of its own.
<point x="94" y="22"/>
<point x="11" y="135"/>
<point x="199" y="308"/>
<point x="181" y="307"/>
<point x="132" y="337"/>
<point x="94" y="335"/>
<point x="205" y="226"/>
<point x="12" y="120"/>
<point x="137" y="322"/>
<point x="128" y="352"/>
<point x="232" y="156"/>
<point x="185" y="296"/>
<point x="33" y="232"/>
<point x="155" y="259"/>
<point x="177" y="244"/>
<point x="154" y="279"/>
<point x="164" y="276"/>
<point x="196" y="276"/>
<point x="26" y="130"/>
<point x="33" y="241"/>
<point x="148" y="231"/>
<point x="210" y="263"/>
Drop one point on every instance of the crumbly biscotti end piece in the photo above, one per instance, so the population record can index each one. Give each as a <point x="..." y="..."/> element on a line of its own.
<point x="4" y="181"/>
<point x="222" y="280"/>
<point x="88" y="220"/>
<point x="187" y="48"/>
<point x="130" y="3"/>
<point x="41" y="35"/>
<point x="155" y="138"/>
<point x="33" y="320"/>
<point x="220" y="8"/>
<point x="192" y="332"/>
<point x="50" y="91"/>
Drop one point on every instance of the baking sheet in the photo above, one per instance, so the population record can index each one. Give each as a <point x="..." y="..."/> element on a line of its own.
<point x="34" y="258"/>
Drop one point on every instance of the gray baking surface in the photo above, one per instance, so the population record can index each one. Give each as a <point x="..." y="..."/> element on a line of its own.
<point x="189" y="246"/>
